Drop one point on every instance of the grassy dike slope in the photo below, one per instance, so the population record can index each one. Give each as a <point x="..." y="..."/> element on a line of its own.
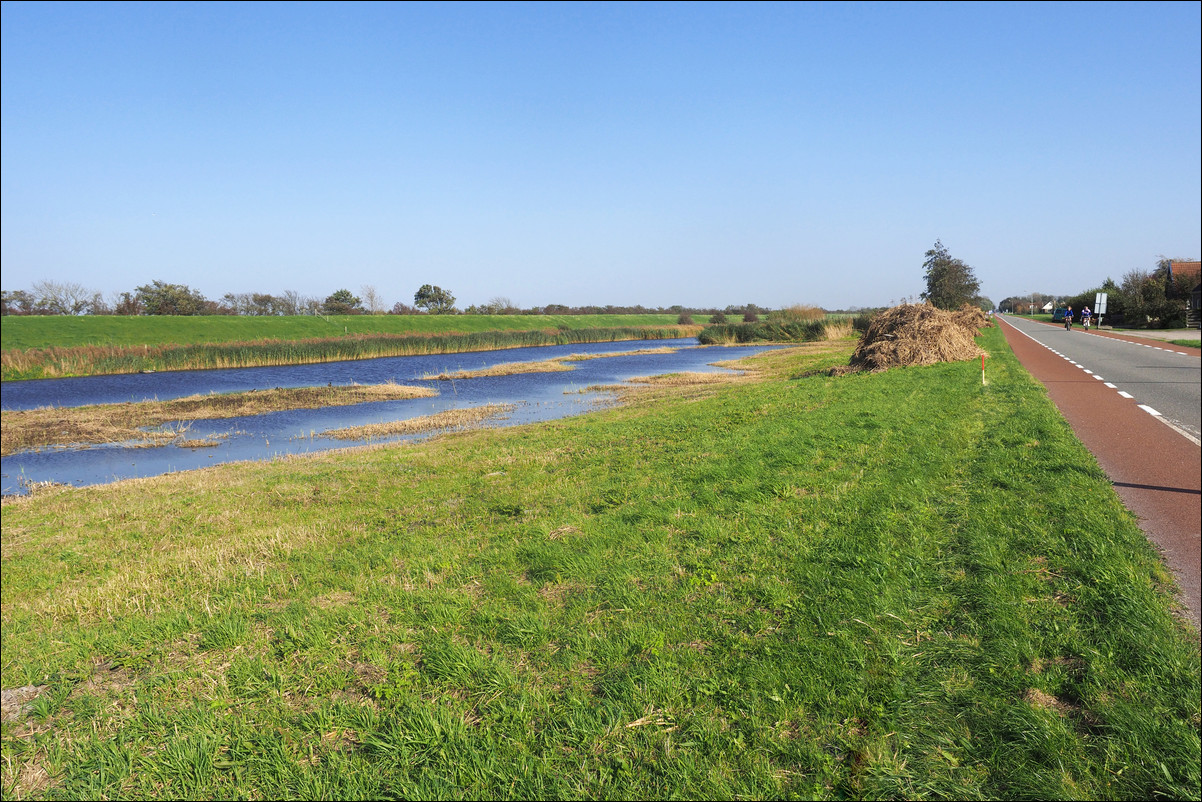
<point x="892" y="585"/>
<point x="22" y="332"/>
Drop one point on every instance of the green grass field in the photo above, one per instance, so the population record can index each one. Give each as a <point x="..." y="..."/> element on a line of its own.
<point x="25" y="332"/>
<point x="905" y="584"/>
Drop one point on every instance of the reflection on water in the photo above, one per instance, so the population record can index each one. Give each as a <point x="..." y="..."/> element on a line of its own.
<point x="537" y="396"/>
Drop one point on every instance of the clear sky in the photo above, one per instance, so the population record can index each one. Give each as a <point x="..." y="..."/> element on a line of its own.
<point x="698" y="154"/>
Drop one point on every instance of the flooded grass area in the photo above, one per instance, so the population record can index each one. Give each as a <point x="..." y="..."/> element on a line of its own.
<point x="100" y="429"/>
<point x="557" y="365"/>
<point x="137" y="421"/>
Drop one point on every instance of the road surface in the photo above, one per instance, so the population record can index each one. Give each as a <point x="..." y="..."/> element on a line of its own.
<point x="1136" y="408"/>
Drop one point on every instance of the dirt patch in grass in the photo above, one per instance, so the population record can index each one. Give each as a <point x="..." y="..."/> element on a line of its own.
<point x="16" y="703"/>
<point x="917" y="334"/>
<point x="1045" y="701"/>
<point x="115" y="423"/>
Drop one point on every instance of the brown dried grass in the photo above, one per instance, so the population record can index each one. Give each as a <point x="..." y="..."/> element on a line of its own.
<point x="917" y="334"/>
<point x="507" y="369"/>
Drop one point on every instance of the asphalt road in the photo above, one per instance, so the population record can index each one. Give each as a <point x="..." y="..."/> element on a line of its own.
<point x="1106" y="389"/>
<point x="1165" y="379"/>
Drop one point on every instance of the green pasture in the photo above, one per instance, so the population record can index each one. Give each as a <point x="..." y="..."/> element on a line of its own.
<point x="58" y="331"/>
<point x="898" y="585"/>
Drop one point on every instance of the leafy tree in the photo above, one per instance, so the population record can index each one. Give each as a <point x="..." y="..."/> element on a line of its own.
<point x="17" y="302"/>
<point x="342" y="303"/>
<point x="434" y="300"/>
<point x="950" y="282"/>
<point x="161" y="298"/>
<point x="1149" y="298"/>
<point x="128" y="304"/>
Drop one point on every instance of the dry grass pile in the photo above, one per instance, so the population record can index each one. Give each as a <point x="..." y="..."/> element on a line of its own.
<point x="917" y="334"/>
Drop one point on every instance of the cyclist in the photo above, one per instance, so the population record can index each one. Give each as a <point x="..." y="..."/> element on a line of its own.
<point x="1068" y="319"/>
<point x="1085" y="317"/>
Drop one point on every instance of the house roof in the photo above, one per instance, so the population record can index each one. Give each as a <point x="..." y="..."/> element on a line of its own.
<point x="1190" y="270"/>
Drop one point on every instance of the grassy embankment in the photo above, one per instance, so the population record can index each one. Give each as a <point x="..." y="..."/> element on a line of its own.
<point x="52" y="347"/>
<point x="904" y="584"/>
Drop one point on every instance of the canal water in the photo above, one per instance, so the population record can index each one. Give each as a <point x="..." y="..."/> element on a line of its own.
<point x="536" y="396"/>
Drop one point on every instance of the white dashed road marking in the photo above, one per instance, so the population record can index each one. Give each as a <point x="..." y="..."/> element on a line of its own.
<point x="1122" y="393"/>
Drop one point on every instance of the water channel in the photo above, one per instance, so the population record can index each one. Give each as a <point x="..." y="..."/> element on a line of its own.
<point x="537" y="397"/>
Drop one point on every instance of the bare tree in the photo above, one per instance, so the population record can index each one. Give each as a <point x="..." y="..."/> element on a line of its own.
<point x="291" y="303"/>
<point x="499" y="305"/>
<point x="62" y="298"/>
<point x="371" y="300"/>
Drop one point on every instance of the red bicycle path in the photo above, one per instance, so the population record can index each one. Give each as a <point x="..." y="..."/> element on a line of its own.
<point x="1156" y="471"/>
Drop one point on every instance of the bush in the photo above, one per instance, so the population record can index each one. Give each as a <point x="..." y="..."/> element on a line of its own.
<point x="685" y="319"/>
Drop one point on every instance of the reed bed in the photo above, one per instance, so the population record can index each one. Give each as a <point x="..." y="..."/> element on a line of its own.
<point x="778" y="330"/>
<point x="23" y="430"/>
<point x="88" y="360"/>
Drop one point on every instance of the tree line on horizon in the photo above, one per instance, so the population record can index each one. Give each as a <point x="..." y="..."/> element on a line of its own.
<point x="47" y="297"/>
<point x="950" y="283"/>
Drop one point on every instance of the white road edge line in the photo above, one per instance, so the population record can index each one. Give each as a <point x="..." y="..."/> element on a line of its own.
<point x="1157" y="415"/>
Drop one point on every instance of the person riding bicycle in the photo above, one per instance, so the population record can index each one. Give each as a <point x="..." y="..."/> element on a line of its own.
<point x="1086" y="316"/>
<point x="1068" y="319"/>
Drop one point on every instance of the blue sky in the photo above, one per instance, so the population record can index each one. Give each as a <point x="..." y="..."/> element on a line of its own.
<point x="698" y="154"/>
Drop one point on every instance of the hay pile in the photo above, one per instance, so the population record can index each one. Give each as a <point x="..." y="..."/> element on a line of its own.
<point x="917" y="334"/>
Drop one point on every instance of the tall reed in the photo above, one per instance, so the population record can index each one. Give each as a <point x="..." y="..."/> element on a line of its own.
<point x="88" y="360"/>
